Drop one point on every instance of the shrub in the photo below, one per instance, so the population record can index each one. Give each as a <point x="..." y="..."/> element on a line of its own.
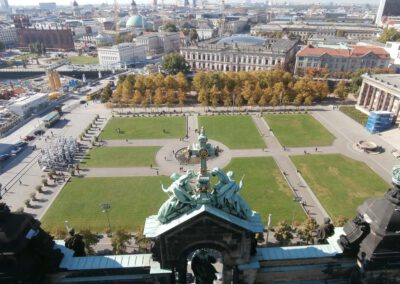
<point x="59" y="233"/>
<point x="20" y="210"/>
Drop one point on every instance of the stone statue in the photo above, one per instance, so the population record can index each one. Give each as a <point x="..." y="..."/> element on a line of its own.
<point x="227" y="194"/>
<point x="204" y="271"/>
<point x="180" y="200"/>
<point x="76" y="243"/>
<point x="325" y="231"/>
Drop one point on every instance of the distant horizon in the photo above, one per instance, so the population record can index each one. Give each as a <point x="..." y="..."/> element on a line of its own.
<point x="22" y="3"/>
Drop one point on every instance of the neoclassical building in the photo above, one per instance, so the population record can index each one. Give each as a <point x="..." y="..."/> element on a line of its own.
<point x="240" y="53"/>
<point x="380" y="92"/>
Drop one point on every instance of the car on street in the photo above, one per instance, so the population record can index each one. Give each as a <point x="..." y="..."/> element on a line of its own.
<point x="15" y="151"/>
<point x="28" y="138"/>
<point x="38" y="132"/>
<point x="4" y="157"/>
<point x="20" y="144"/>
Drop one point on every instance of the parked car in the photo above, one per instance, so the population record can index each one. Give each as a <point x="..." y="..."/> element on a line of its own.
<point x="15" y="151"/>
<point x="38" y="132"/>
<point x="28" y="138"/>
<point x="20" y="144"/>
<point x="4" y="157"/>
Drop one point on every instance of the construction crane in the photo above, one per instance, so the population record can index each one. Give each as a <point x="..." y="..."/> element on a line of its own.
<point x="116" y="16"/>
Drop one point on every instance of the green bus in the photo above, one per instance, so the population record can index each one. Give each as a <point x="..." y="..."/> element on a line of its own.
<point x="51" y="118"/>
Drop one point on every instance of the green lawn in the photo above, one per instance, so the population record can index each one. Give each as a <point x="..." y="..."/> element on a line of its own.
<point x="265" y="189"/>
<point x="340" y="183"/>
<point x="236" y="132"/>
<point x="355" y="114"/>
<point x="132" y="199"/>
<point x="118" y="157"/>
<point x="83" y="60"/>
<point x="298" y="130"/>
<point x="144" y="128"/>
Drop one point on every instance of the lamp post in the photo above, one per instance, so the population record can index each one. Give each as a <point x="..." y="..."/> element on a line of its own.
<point x="105" y="208"/>
<point x="269" y="223"/>
<point x="296" y="199"/>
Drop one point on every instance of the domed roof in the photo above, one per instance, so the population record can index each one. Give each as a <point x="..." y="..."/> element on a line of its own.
<point x="242" y="40"/>
<point x="122" y="23"/>
<point x="135" y="21"/>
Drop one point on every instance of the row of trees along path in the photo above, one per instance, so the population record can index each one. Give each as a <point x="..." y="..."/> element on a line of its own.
<point x="271" y="87"/>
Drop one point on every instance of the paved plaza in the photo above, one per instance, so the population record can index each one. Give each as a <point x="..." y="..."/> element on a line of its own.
<point x="22" y="174"/>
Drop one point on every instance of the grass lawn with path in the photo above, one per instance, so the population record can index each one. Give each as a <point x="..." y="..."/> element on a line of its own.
<point x="118" y="157"/>
<point x="355" y="114"/>
<point x="83" y="60"/>
<point x="144" y="128"/>
<point x="265" y="189"/>
<point x="236" y="132"/>
<point x="132" y="199"/>
<point x="340" y="183"/>
<point x="298" y="130"/>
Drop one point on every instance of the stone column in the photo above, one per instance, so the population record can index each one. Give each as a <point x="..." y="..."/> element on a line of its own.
<point x="383" y="103"/>
<point x="372" y="98"/>
<point x="182" y="271"/>
<point x="363" y="94"/>
<point x="392" y="97"/>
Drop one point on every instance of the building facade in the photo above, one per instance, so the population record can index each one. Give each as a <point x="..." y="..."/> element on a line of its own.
<point x="380" y="93"/>
<point x="121" y="54"/>
<point x="8" y="35"/>
<point x="29" y="104"/>
<point x="387" y="9"/>
<point x="158" y="43"/>
<point x="239" y="53"/>
<point x="341" y="59"/>
<point x="306" y="30"/>
<point x="58" y="38"/>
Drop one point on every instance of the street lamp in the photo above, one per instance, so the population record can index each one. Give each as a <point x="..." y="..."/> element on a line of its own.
<point x="269" y="222"/>
<point x="296" y="199"/>
<point x="105" y="207"/>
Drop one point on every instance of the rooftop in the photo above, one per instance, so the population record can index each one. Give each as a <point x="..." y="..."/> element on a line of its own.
<point x="393" y="80"/>
<point x="355" y="51"/>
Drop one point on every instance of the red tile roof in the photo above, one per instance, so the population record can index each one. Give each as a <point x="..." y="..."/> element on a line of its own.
<point x="357" y="51"/>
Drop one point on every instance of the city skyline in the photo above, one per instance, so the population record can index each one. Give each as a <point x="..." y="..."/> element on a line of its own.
<point x="82" y="2"/>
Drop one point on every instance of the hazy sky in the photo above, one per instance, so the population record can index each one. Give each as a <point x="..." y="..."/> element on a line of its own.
<point x="67" y="2"/>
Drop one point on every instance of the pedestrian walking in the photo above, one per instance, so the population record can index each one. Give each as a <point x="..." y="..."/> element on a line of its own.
<point x="173" y="152"/>
<point x="157" y="172"/>
<point x="316" y="149"/>
<point x="20" y="182"/>
<point x="151" y="166"/>
<point x="305" y="152"/>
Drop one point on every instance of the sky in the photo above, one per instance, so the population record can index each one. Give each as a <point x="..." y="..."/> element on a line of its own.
<point x="80" y="2"/>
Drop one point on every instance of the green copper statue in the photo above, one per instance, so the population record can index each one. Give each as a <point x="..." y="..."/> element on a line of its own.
<point x="180" y="200"/>
<point x="184" y="198"/>
<point x="396" y="175"/>
<point x="227" y="194"/>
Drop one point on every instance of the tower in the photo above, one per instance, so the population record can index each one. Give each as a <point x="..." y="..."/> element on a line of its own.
<point x="75" y="9"/>
<point x="116" y="16"/>
<point x="133" y="9"/>
<point x="4" y="5"/>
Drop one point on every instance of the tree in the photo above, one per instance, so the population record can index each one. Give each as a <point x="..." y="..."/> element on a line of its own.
<point x="140" y="239"/>
<point x="171" y="97"/>
<point x="341" y="90"/>
<point x="120" y="240"/>
<point x="137" y="97"/>
<point x="181" y="98"/>
<point x="283" y="233"/>
<point x="170" y="27"/>
<point x="193" y="36"/>
<point x="340" y="221"/>
<point x="389" y="34"/>
<point x="174" y="63"/>
<point x="90" y="239"/>
<point x="306" y="231"/>
<point x="181" y="81"/>
<point x="159" y="97"/>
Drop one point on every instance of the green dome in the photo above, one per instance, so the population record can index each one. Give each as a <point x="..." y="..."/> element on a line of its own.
<point x="135" y="22"/>
<point x="122" y="23"/>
